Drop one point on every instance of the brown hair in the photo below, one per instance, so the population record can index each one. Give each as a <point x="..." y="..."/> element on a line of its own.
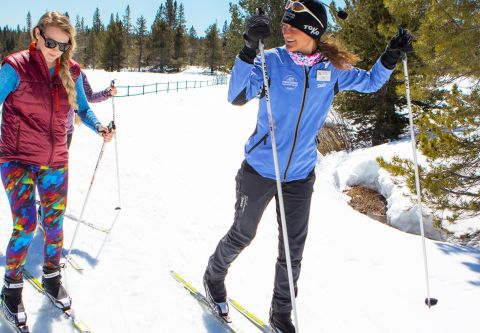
<point x="56" y="19"/>
<point x="339" y="56"/>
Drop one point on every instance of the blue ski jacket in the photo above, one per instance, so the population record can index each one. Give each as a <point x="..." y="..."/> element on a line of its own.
<point x="301" y="98"/>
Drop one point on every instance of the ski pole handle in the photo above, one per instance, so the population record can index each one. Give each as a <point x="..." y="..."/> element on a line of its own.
<point x="111" y="126"/>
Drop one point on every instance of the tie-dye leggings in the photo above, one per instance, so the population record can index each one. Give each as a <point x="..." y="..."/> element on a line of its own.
<point x="20" y="180"/>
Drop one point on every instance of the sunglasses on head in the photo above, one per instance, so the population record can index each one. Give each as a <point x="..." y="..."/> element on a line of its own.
<point x="51" y="43"/>
<point x="298" y="7"/>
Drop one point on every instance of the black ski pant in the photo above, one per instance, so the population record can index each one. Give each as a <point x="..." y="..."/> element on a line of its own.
<point x="254" y="193"/>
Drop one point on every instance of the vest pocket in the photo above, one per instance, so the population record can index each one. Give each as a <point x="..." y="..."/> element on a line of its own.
<point x="263" y="139"/>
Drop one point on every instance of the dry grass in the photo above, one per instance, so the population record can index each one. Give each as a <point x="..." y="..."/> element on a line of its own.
<point x="336" y="135"/>
<point x="368" y="202"/>
<point x="330" y="140"/>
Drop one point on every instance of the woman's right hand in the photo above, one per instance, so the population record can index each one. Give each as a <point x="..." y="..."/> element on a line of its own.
<point x="104" y="132"/>
<point x="257" y="27"/>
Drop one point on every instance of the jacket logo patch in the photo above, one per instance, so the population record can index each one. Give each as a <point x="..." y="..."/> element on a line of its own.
<point x="290" y="82"/>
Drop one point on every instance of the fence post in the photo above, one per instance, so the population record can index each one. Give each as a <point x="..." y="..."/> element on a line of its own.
<point x="143" y="90"/>
<point x="128" y="90"/>
<point x="168" y="87"/>
<point x="156" y="88"/>
<point x="177" y="86"/>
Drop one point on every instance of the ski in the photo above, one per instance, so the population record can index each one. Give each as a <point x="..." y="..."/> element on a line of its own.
<point x="203" y="301"/>
<point x="72" y="262"/>
<point x="79" y="325"/>
<point x="75" y="218"/>
<point x="89" y="224"/>
<point x="262" y="326"/>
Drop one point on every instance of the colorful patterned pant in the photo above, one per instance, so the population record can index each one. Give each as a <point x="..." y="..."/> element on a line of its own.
<point x="20" y="181"/>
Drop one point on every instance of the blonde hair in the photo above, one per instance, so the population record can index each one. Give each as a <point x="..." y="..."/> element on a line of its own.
<point x="339" y="56"/>
<point x="56" y="19"/>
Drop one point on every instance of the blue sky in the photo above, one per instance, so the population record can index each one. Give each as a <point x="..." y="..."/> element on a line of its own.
<point x="198" y="13"/>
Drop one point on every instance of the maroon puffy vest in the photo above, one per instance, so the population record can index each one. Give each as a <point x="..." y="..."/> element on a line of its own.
<point x="35" y="116"/>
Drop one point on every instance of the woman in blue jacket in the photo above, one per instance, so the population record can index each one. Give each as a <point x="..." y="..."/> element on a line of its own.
<point x="305" y="74"/>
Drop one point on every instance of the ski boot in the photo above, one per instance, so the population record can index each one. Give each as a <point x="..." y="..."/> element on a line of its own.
<point x="281" y="322"/>
<point x="12" y="306"/>
<point x="216" y="295"/>
<point x="52" y="283"/>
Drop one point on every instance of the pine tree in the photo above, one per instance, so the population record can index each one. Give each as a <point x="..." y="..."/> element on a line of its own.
<point x="162" y="37"/>
<point x="180" y="47"/>
<point x="95" y="40"/>
<point x="447" y="119"/>
<point x="213" y="48"/>
<point x="80" y="51"/>
<point x="128" y="27"/>
<point x="114" y="51"/>
<point x="375" y="116"/>
<point x="29" y="22"/>
<point x="193" y="47"/>
<point x="140" y="36"/>
<point x="159" y="41"/>
<point x="224" y="35"/>
<point x="171" y="12"/>
<point x="23" y="38"/>
<point x="234" y="35"/>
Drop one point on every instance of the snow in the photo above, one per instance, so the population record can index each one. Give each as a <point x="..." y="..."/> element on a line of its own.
<point x="178" y="154"/>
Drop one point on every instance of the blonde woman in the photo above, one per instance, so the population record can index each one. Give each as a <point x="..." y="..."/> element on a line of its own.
<point x="38" y="87"/>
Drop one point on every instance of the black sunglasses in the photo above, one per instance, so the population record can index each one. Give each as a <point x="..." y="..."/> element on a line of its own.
<point x="51" y="43"/>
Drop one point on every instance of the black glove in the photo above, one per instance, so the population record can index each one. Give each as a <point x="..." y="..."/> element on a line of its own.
<point x="257" y="28"/>
<point x="399" y="45"/>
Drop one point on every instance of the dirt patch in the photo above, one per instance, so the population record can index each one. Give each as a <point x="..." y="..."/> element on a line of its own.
<point x="368" y="202"/>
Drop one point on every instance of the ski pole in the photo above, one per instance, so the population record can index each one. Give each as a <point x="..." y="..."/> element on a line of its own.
<point x="428" y="301"/>
<point x="119" y="206"/>
<point x="279" y="184"/>
<point x="110" y="127"/>
<point x="118" y="209"/>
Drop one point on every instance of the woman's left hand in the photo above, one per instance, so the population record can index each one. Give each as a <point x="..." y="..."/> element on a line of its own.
<point x="402" y="41"/>
<point x="112" y="91"/>
<point x="105" y="133"/>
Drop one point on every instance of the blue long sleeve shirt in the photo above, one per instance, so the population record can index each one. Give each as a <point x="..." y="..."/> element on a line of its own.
<point x="9" y="82"/>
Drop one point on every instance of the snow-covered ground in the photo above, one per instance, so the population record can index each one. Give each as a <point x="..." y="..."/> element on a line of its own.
<point x="179" y="154"/>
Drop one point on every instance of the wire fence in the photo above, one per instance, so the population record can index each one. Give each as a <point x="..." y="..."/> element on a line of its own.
<point x="155" y="88"/>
